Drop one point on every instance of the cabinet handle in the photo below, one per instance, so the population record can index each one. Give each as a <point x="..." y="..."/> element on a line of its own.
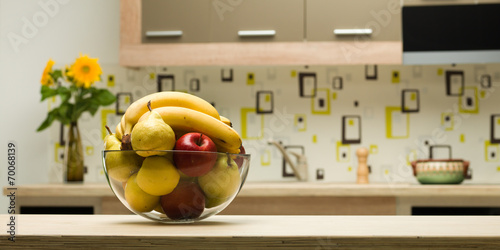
<point x="164" y="33"/>
<point x="350" y="32"/>
<point x="256" y="32"/>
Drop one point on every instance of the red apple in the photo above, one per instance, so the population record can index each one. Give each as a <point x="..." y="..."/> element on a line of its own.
<point x="239" y="160"/>
<point x="186" y="201"/>
<point x="193" y="163"/>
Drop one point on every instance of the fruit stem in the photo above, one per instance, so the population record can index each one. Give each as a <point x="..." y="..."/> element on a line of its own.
<point x="126" y="144"/>
<point x="228" y="159"/>
<point x="109" y="130"/>
<point x="199" y="140"/>
<point x="149" y="106"/>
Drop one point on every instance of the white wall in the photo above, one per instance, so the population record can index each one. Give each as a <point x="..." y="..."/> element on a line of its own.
<point x="57" y="29"/>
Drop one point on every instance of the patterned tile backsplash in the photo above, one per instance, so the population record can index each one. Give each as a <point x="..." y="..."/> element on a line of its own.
<point x="326" y="113"/>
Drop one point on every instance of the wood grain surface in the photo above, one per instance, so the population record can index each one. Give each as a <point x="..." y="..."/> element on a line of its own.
<point x="251" y="232"/>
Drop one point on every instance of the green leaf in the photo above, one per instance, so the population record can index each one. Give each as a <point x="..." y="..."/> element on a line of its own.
<point x="64" y="93"/>
<point x="104" y="97"/>
<point x="65" y="112"/>
<point x="93" y="107"/>
<point x="79" y="108"/>
<point x="51" y="116"/>
<point x="47" y="92"/>
<point x="56" y="74"/>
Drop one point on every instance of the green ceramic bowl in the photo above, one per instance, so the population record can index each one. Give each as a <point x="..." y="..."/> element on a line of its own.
<point x="448" y="171"/>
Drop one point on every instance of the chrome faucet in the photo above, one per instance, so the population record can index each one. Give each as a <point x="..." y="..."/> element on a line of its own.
<point x="299" y="169"/>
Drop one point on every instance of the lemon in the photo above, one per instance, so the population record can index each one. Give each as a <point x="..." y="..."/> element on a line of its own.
<point x="157" y="176"/>
<point x="137" y="199"/>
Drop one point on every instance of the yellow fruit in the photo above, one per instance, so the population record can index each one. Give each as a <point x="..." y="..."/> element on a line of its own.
<point x="152" y="134"/>
<point x="110" y="140"/>
<point x="137" y="199"/>
<point x="164" y="99"/>
<point x="157" y="176"/>
<point x="121" y="165"/>
<point x="226" y="121"/>
<point x="183" y="119"/>
<point x="221" y="182"/>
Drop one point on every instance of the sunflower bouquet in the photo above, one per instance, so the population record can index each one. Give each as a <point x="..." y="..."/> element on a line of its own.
<point x="75" y="86"/>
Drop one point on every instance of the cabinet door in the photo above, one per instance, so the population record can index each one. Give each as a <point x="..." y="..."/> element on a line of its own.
<point x="257" y="20"/>
<point x="353" y="20"/>
<point x="175" y="21"/>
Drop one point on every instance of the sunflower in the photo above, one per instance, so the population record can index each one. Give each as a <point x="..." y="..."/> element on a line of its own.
<point x="46" y="77"/>
<point x="85" y="71"/>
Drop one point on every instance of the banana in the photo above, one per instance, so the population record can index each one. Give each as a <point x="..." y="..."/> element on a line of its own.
<point x="118" y="131"/>
<point x="164" y="99"/>
<point x="226" y="121"/>
<point x="185" y="119"/>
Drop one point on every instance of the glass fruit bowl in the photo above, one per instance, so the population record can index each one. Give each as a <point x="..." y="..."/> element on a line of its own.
<point x="175" y="186"/>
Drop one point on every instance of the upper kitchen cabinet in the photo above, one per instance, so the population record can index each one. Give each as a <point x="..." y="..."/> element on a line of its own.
<point x="353" y="20"/>
<point x="175" y="21"/>
<point x="257" y="21"/>
<point x="252" y="32"/>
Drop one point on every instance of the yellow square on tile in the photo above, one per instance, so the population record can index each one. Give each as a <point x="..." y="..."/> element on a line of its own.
<point x="440" y="72"/>
<point x="462" y="138"/>
<point x="294" y="73"/>
<point x="268" y="97"/>
<point x="351" y="122"/>
<point x="413" y="96"/>
<point x="334" y="95"/>
<point x="315" y="139"/>
<point x="498" y="169"/>
<point x="498" y="121"/>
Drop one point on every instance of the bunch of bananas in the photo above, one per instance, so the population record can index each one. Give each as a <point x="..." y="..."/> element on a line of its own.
<point x="184" y="113"/>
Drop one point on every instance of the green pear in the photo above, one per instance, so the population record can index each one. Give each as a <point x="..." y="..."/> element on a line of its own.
<point x="122" y="164"/>
<point x="152" y="134"/>
<point x="110" y="140"/>
<point x="222" y="182"/>
<point x="137" y="199"/>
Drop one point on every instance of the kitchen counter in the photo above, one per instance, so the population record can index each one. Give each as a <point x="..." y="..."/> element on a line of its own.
<point x="251" y="232"/>
<point x="292" y="198"/>
<point x="274" y="189"/>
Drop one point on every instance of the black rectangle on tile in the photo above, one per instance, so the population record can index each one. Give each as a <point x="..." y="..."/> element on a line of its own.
<point x="346" y="139"/>
<point x="486" y="81"/>
<point x="405" y="101"/>
<point x="300" y="148"/>
<point x="371" y="72"/>
<point x="320" y="174"/>
<point x="165" y="82"/>
<point x="261" y="95"/>
<point x="337" y="83"/>
<point x="119" y="110"/>
<point x="494" y="124"/>
<point x="194" y="85"/>
<point x="226" y="77"/>
<point x="451" y="76"/>
<point x="304" y="81"/>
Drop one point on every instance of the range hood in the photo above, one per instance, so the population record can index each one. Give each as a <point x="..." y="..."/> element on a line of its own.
<point x="443" y="34"/>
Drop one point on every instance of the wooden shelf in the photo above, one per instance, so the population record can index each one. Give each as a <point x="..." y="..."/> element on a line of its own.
<point x="251" y="232"/>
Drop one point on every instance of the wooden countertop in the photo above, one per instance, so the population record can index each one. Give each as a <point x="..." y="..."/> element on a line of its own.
<point x="269" y="232"/>
<point x="286" y="189"/>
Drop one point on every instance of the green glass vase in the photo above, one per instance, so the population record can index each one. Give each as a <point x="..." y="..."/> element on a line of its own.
<point x="73" y="155"/>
